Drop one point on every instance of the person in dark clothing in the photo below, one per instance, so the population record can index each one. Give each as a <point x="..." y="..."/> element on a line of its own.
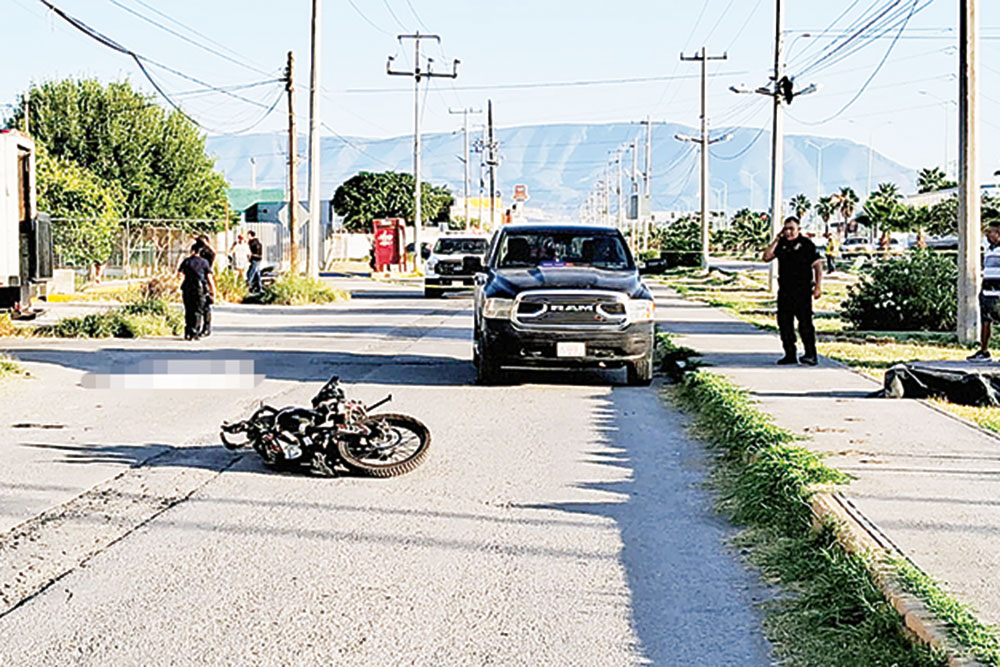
<point x="256" y="256"/>
<point x="800" y="280"/>
<point x="197" y="285"/>
<point x="206" y="252"/>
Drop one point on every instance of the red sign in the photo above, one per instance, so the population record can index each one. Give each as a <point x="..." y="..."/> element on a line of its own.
<point x="389" y="243"/>
<point x="520" y="193"/>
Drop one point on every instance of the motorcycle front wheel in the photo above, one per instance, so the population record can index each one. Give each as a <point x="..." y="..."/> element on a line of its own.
<point x="396" y="445"/>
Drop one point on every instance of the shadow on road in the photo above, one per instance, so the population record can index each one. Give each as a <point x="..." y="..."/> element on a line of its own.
<point x="692" y="601"/>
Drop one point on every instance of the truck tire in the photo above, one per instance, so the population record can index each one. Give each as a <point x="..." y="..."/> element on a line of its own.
<point x="487" y="369"/>
<point x="640" y="373"/>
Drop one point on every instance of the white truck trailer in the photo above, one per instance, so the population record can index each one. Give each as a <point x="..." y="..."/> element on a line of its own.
<point x="25" y="235"/>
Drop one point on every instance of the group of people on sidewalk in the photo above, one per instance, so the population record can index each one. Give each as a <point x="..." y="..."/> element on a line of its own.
<point x="198" y="288"/>
<point x="800" y="280"/>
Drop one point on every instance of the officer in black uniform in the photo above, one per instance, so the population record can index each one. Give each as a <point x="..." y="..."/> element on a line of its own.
<point x="800" y="279"/>
<point x="198" y="284"/>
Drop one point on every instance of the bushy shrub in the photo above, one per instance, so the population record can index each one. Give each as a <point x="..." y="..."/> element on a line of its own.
<point x="294" y="290"/>
<point x="139" y="319"/>
<point x="680" y="242"/>
<point x="915" y="292"/>
<point x="230" y="286"/>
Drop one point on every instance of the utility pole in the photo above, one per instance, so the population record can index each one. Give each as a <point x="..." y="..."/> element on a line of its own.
<point x="492" y="163"/>
<point x="634" y="195"/>
<point x="706" y="193"/>
<point x="782" y="92"/>
<point x="621" y="209"/>
<point x="969" y="203"/>
<point x="293" y="200"/>
<point x="313" y="237"/>
<point x="465" y="152"/>
<point x="647" y="193"/>
<point x="418" y="74"/>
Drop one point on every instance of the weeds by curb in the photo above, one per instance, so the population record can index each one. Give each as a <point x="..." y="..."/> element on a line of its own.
<point x="835" y="614"/>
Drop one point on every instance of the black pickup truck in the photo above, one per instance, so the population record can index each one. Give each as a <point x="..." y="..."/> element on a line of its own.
<point x="562" y="296"/>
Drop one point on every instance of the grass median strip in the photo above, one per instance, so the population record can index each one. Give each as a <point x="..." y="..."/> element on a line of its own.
<point x="831" y="612"/>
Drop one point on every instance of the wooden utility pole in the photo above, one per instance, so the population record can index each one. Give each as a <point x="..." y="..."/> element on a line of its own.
<point x="969" y="203"/>
<point x="292" y="165"/>
<point x="777" y="144"/>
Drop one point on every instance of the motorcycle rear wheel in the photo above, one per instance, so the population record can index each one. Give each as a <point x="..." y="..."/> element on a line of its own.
<point x="399" y="443"/>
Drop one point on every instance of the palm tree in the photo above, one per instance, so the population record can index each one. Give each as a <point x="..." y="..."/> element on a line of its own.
<point x="885" y="210"/>
<point x="844" y="202"/>
<point x="932" y="179"/>
<point x="825" y="210"/>
<point x="801" y="205"/>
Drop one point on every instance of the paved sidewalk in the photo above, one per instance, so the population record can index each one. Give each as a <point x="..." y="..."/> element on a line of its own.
<point x="929" y="483"/>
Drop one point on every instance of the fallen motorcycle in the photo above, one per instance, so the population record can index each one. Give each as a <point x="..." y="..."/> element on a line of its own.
<point x="335" y="433"/>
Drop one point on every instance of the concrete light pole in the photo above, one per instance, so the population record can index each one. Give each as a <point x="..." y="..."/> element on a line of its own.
<point x="969" y="203"/>
<point x="313" y="237"/>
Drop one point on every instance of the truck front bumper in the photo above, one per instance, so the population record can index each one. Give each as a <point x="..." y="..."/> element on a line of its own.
<point x="513" y="346"/>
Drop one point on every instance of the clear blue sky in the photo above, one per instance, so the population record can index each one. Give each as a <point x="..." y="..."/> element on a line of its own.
<point x="904" y="112"/>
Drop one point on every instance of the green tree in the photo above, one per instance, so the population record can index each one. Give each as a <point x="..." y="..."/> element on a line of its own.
<point x="368" y="195"/>
<point x="155" y="158"/>
<point x="752" y="230"/>
<point x="932" y="179"/>
<point x="844" y="203"/>
<point x="825" y="210"/>
<point x="801" y="205"/>
<point x="86" y="210"/>
<point x="885" y="210"/>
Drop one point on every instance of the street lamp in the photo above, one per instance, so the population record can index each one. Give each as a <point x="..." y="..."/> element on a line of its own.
<point x="945" y="104"/>
<point x="819" y="170"/>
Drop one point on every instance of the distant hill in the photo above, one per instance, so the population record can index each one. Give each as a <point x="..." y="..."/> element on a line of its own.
<point x="560" y="163"/>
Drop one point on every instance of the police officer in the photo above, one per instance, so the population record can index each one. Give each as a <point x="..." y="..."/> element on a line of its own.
<point x="198" y="284"/>
<point x="800" y="279"/>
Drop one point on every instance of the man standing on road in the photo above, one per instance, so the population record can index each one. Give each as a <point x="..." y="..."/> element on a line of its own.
<point x="800" y="278"/>
<point x="197" y="286"/>
<point x="989" y="293"/>
<point x="256" y="255"/>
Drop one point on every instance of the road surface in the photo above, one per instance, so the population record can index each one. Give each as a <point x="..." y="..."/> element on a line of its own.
<point x="560" y="520"/>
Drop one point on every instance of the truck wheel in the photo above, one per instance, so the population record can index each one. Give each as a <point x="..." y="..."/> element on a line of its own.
<point x="433" y="292"/>
<point x="640" y="373"/>
<point x="487" y="369"/>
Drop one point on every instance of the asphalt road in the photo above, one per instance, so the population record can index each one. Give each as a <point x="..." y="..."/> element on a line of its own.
<point x="560" y="520"/>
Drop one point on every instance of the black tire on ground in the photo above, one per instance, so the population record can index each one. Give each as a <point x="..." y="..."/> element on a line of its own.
<point x="433" y="292"/>
<point x="640" y="373"/>
<point x="403" y="446"/>
<point x="487" y="369"/>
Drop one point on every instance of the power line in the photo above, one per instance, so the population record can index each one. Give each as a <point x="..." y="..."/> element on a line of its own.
<point x="546" y="84"/>
<point x="368" y="20"/>
<point x="864" y="87"/>
<point x="393" y="13"/>
<point x="141" y="62"/>
<point x="746" y="149"/>
<point x="417" y="16"/>
<point x="193" y="31"/>
<point x="355" y="146"/>
<point x="187" y="39"/>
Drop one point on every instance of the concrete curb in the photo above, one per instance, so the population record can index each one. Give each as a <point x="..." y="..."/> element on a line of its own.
<point x="857" y="535"/>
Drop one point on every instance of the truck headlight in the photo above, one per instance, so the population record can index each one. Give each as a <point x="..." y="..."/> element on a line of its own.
<point x="641" y="310"/>
<point x="431" y="265"/>
<point x="495" y="309"/>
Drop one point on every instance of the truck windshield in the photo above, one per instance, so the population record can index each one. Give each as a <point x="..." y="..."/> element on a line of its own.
<point x="460" y="247"/>
<point x="599" y="250"/>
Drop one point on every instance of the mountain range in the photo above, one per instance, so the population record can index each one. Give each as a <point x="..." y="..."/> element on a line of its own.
<point x="561" y="163"/>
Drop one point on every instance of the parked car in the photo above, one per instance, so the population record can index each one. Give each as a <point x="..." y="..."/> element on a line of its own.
<point x="856" y="245"/>
<point x="562" y="296"/>
<point x="448" y="264"/>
